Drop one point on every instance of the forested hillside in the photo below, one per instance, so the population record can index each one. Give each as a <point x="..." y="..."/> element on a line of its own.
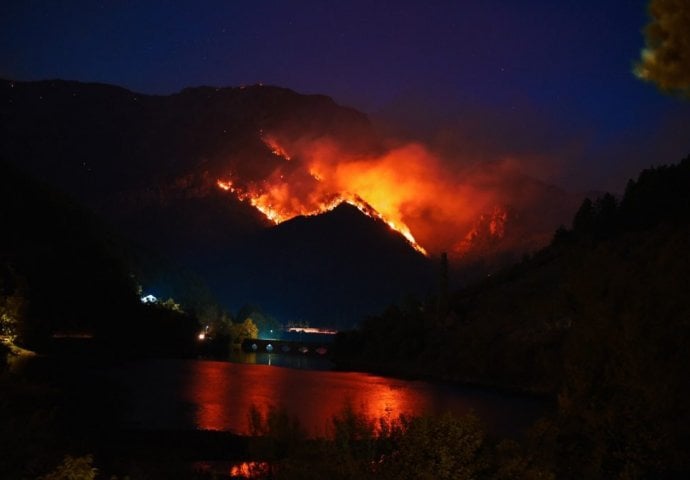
<point x="62" y="272"/>
<point x="600" y="318"/>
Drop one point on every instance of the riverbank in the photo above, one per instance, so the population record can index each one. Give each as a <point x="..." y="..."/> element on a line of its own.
<point x="16" y="356"/>
<point x="413" y="372"/>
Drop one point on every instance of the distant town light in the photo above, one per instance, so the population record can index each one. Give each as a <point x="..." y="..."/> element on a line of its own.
<point x="149" y="299"/>
<point x="323" y="331"/>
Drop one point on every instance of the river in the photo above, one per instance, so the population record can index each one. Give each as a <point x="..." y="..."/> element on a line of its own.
<point x="218" y="395"/>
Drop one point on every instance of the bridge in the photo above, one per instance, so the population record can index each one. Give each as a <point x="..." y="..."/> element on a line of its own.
<point x="285" y="347"/>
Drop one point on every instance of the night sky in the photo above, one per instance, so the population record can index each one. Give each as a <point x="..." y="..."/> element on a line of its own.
<point x="548" y="80"/>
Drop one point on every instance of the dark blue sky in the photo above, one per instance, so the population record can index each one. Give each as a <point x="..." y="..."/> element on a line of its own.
<point x="539" y="76"/>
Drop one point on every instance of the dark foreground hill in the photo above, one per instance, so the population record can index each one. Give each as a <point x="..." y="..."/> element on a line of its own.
<point x="329" y="269"/>
<point x="601" y="318"/>
<point x="62" y="273"/>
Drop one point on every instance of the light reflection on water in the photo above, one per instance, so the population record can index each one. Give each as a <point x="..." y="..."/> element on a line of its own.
<point x="213" y="395"/>
<point x="299" y="361"/>
<point x="313" y="396"/>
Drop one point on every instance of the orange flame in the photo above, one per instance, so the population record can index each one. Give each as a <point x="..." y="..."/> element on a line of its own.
<point x="273" y="204"/>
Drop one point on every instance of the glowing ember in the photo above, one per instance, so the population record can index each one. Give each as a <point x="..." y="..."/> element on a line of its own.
<point x="275" y="147"/>
<point x="225" y="185"/>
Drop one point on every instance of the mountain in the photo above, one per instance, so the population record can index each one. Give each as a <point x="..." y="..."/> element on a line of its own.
<point x="150" y="165"/>
<point x="95" y="139"/>
<point x="621" y="261"/>
<point x="331" y="269"/>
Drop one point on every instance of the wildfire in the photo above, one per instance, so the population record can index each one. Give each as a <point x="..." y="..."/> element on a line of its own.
<point x="225" y="185"/>
<point x="263" y="202"/>
<point x="405" y="188"/>
<point x="279" y="200"/>
<point x="401" y="229"/>
<point x="259" y="201"/>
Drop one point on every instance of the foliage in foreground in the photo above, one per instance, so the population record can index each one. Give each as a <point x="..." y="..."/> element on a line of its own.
<point x="425" y="447"/>
<point x="73" y="468"/>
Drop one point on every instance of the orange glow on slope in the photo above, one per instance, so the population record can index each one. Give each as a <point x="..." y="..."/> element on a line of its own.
<point x="225" y="185"/>
<point x="261" y="201"/>
<point x="275" y="147"/>
<point x="276" y="204"/>
<point x="487" y="226"/>
<point x="405" y="187"/>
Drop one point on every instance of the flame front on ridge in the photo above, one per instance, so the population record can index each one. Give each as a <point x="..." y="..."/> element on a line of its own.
<point x="262" y="202"/>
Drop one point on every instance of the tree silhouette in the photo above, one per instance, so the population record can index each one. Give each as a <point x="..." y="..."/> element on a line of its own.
<point x="583" y="222"/>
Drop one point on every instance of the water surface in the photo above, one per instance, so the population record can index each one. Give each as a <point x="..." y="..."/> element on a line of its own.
<point x="217" y="395"/>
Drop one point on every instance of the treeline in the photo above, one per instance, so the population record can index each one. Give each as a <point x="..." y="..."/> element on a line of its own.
<point x="62" y="272"/>
<point x="598" y="319"/>
<point x="659" y="196"/>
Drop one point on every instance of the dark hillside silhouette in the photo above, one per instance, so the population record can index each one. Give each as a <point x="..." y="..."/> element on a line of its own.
<point x="149" y="165"/>
<point x="73" y="276"/>
<point x="599" y="319"/>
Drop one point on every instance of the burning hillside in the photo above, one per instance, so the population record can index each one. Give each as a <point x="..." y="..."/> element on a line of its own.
<point x="264" y="201"/>
<point x="406" y="186"/>
<point x="281" y="153"/>
<point x="195" y="175"/>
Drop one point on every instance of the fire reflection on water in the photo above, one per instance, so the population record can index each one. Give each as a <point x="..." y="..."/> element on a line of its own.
<point x="249" y="470"/>
<point x="210" y="395"/>
<point x="223" y="394"/>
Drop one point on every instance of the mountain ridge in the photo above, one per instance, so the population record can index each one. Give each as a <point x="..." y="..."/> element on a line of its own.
<point x="149" y="165"/>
